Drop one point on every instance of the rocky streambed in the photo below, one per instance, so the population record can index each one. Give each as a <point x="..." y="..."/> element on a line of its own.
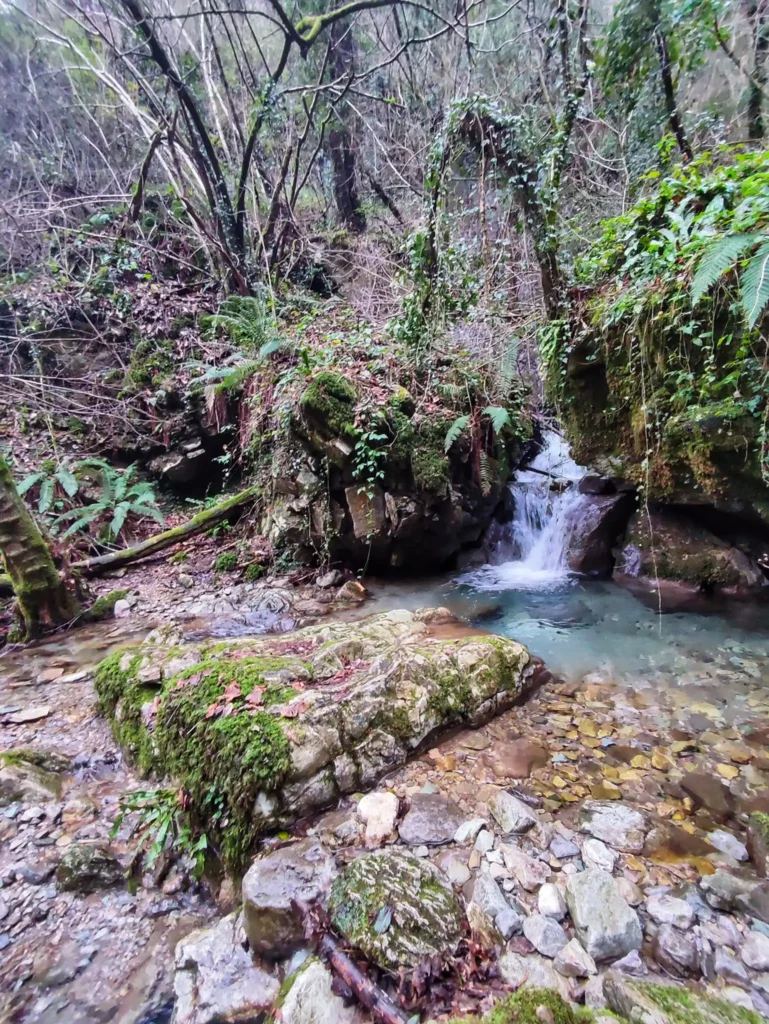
<point x="596" y="840"/>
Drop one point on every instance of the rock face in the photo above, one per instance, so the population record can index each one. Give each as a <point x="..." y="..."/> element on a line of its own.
<point x="85" y="869"/>
<point x="20" y="780"/>
<point x="216" y="980"/>
<point x="303" y="871"/>
<point x="596" y="525"/>
<point x="396" y="909"/>
<point x="606" y="926"/>
<point x="284" y="725"/>
<point x="666" y="544"/>
<point x="664" y="1004"/>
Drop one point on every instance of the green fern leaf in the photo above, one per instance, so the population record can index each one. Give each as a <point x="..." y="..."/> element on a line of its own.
<point x="46" y="495"/>
<point x="500" y="418"/>
<point x="755" y="285"/>
<point x="68" y="481"/>
<point x="719" y="257"/>
<point x="29" y="481"/>
<point x="119" y="518"/>
<point x="455" y="432"/>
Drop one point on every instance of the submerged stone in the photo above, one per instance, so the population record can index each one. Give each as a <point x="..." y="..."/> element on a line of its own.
<point x="282" y="725"/>
<point x="396" y="909"/>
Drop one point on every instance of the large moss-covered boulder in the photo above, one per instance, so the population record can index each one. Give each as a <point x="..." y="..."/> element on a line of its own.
<point x="262" y="730"/>
<point x="396" y="909"/>
<point x="642" y="1003"/>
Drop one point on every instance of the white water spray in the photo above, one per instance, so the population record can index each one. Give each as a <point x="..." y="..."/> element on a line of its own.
<point x="537" y="539"/>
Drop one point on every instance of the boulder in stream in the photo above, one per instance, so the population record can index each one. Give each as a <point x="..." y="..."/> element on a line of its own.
<point x="283" y="725"/>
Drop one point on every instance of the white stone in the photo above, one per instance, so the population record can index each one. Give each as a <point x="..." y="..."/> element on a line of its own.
<point x="484" y="841"/>
<point x="532" y="971"/>
<point x="605" y="924"/>
<point x="512" y="814"/>
<point x="550" y="902"/>
<point x="728" y="844"/>
<point x="573" y="962"/>
<point x="665" y="909"/>
<point x="596" y="854"/>
<point x="469" y="830"/>
<point x="457" y="871"/>
<point x="378" y="811"/>
<point x="122" y="609"/>
<point x="310" y="1000"/>
<point x="622" y="827"/>
<point x="755" y="951"/>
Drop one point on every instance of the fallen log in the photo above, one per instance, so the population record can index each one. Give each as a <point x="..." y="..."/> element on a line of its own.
<point x="116" y="559"/>
<point x="366" y="991"/>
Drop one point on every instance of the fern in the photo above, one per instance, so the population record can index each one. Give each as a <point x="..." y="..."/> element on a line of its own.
<point x="719" y="257"/>
<point x="248" y="323"/>
<point x="455" y="431"/>
<point x="500" y="417"/>
<point x="755" y="285"/>
<point x="508" y="370"/>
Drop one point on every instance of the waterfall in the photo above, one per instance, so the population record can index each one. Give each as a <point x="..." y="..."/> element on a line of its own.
<point x="531" y="553"/>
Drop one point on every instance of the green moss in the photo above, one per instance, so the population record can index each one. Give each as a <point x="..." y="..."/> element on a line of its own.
<point x="48" y="760"/>
<point x="328" y="403"/>
<point x="111" y="680"/>
<point x="254" y="572"/>
<point x="226" y="562"/>
<point x="104" y="606"/>
<point x="397" y="723"/>
<point x="452" y="698"/>
<point x="277" y="695"/>
<point x="178" y="558"/>
<point x="430" y="466"/>
<point x="759" y="822"/>
<point x="686" y="1007"/>
<point x="151" y="361"/>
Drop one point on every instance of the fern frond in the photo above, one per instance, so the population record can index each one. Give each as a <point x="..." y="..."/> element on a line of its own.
<point x="455" y="432"/>
<point x="29" y="481"/>
<point x="508" y="370"/>
<point x="755" y="285"/>
<point x="500" y="417"/>
<point x="487" y="477"/>
<point x="68" y="481"/>
<point x="719" y="257"/>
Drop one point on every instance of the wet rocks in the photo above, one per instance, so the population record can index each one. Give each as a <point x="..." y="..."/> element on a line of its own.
<point x="545" y="934"/>
<point x="597" y="523"/>
<point x="573" y="962"/>
<point x="675" y="950"/>
<point x="432" y="820"/>
<point x="622" y="827"/>
<point x="669" y="910"/>
<point x="606" y="926"/>
<point x="512" y="814"/>
<point x="709" y="792"/>
<point x="310" y="999"/>
<point x="518" y="758"/>
<point x="87" y="868"/>
<point x="216" y="979"/>
<point x="378" y="811"/>
<point x="272" y="924"/>
<point x="758" y="842"/>
<point x="396" y="909"/>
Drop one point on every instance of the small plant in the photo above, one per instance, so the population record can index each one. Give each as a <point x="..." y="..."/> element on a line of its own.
<point x="226" y="562"/>
<point x="163" y="824"/>
<point x="369" y="458"/>
<point x="724" y="255"/>
<point x="50" y="480"/>
<point x="254" y="572"/>
<point x="179" y="558"/>
<point x="120" y="498"/>
<point x="499" y="418"/>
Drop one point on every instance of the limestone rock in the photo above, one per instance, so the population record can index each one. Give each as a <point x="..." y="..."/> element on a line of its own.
<point x="755" y="951"/>
<point x="665" y="909"/>
<point x="512" y="814"/>
<point x="88" y="868"/>
<point x="545" y="934"/>
<point x="311" y="1000"/>
<point x="21" y="780"/>
<point x="675" y="950"/>
<point x="531" y="873"/>
<point x="596" y="854"/>
<point x="216" y="981"/>
<point x="550" y="902"/>
<point x="532" y="971"/>
<point x="378" y="812"/>
<point x="396" y="909"/>
<point x="432" y="820"/>
<point x="302" y="871"/>
<point x="619" y="826"/>
<point x="488" y="896"/>
<point x="596" y="524"/>
<point x="722" y="889"/>
<point x="728" y="844"/>
<point x="657" y="1004"/>
<point x="605" y="925"/>
<point x="469" y="830"/>
<point x="573" y="962"/>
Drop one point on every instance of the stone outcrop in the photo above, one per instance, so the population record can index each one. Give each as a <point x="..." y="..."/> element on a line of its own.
<point x="644" y="1003"/>
<point x="596" y="525"/>
<point x="281" y="726"/>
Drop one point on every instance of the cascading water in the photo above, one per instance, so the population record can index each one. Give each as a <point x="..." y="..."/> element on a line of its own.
<point x="532" y="551"/>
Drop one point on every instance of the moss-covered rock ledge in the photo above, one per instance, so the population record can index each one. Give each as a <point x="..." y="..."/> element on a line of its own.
<point x="262" y="730"/>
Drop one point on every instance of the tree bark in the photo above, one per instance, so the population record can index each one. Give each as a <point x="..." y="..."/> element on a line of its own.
<point x="42" y="597"/>
<point x="756" y="11"/>
<point x="671" y="106"/>
<point x="340" y="142"/>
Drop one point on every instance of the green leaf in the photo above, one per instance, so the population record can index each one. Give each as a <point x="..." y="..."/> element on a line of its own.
<point x="755" y="285"/>
<point x="29" y="481"/>
<point x="719" y="257"/>
<point x="46" y="495"/>
<point x="119" y="518"/>
<point x="500" y="418"/>
<point x="68" y="481"/>
<point x="455" y="432"/>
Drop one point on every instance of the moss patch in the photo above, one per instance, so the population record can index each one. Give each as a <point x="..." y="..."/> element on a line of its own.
<point x="328" y="404"/>
<point x="686" y="1007"/>
<point x="104" y="606"/>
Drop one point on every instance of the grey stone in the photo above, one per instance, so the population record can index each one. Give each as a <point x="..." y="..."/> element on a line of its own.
<point x="509" y="922"/>
<point x="303" y="871"/>
<point x="432" y="820"/>
<point x="21" y="781"/>
<point x="488" y="896"/>
<point x="512" y="814"/>
<point x="532" y="971"/>
<point x="728" y="844"/>
<point x="311" y="1000"/>
<point x="723" y="889"/>
<point x="645" y="1004"/>
<point x="675" y="950"/>
<point x="469" y="830"/>
<point x="396" y="909"/>
<point x="596" y="854"/>
<point x="727" y="969"/>
<point x="216" y="980"/>
<point x="665" y="909"/>
<point x="605" y="925"/>
<point x="614" y="823"/>
<point x="87" y="868"/>
<point x="456" y="870"/>
<point x="574" y="962"/>
<point x="484" y="841"/>
<point x="550" y="902"/>
<point x="755" y="951"/>
<point x="529" y="872"/>
<point x="122" y="609"/>
<point x="633" y="965"/>
<point x="563" y="848"/>
<point x="545" y="934"/>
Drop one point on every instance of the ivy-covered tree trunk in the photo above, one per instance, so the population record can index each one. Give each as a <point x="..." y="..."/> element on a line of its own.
<point x="756" y="11"/>
<point x="41" y="595"/>
<point x="340" y="140"/>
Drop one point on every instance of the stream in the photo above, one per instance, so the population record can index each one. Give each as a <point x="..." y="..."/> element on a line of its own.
<point x="113" y="952"/>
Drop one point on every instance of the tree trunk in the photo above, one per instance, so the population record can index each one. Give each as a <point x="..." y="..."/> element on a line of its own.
<point x="340" y="140"/>
<point x="41" y="595"/>
<point x="671" y="106"/>
<point x="758" y="81"/>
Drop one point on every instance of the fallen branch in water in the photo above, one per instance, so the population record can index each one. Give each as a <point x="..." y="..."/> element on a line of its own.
<point x="366" y="991"/>
<point x="197" y="524"/>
